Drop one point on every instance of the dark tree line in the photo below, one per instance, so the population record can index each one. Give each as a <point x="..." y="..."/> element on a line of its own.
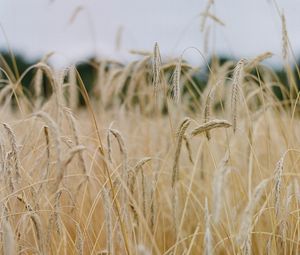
<point x="16" y="64"/>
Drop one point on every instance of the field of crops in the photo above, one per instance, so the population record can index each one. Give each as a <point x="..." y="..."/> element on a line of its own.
<point x="147" y="161"/>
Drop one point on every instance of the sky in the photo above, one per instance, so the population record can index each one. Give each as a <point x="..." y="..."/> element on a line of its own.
<point x="76" y="29"/>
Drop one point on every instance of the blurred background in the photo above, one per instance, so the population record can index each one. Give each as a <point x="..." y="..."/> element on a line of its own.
<point x="82" y="29"/>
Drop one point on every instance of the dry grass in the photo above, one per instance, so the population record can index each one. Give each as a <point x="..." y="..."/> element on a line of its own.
<point x="136" y="176"/>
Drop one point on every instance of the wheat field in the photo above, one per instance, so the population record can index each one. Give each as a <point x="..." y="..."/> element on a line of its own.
<point x="151" y="164"/>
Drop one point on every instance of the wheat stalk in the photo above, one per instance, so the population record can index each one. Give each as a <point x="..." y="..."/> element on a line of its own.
<point x="56" y="134"/>
<point x="122" y="148"/>
<point x="2" y="157"/>
<point x="14" y="150"/>
<point x="46" y="132"/>
<point x="156" y="66"/>
<point x="131" y="185"/>
<point x="139" y="167"/>
<point x="79" y="240"/>
<point x="56" y="215"/>
<point x="206" y="40"/>
<point x="75" y="13"/>
<point x="297" y="190"/>
<point x="208" y="249"/>
<point x="37" y="223"/>
<point x="124" y="174"/>
<point x="108" y="221"/>
<point x="277" y="186"/>
<point x="207" y="109"/>
<point x="175" y="172"/>
<point x="73" y="99"/>
<point x="238" y="75"/>
<point x="66" y="162"/>
<point x="218" y="184"/>
<point x="284" y="221"/>
<point x="152" y="198"/>
<point x="38" y="81"/>
<point x="109" y="147"/>
<point x="188" y="148"/>
<point x="176" y="83"/>
<point x="244" y="236"/>
<point x="9" y="178"/>
<point x="210" y="125"/>
<point x="258" y="59"/>
<point x="284" y="37"/>
<point x="204" y="17"/>
<point x="213" y="17"/>
<point x="8" y="238"/>
<point x="72" y="123"/>
<point x="182" y="128"/>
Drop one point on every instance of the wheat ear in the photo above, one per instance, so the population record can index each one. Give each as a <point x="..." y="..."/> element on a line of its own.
<point x="176" y="83"/>
<point x="79" y="240"/>
<point x="156" y="66"/>
<point x="238" y="75"/>
<point x="284" y="37"/>
<point x="277" y="186"/>
<point x="14" y="150"/>
<point x="210" y="125"/>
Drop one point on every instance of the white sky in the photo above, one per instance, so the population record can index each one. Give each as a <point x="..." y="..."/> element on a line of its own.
<point x="252" y="27"/>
